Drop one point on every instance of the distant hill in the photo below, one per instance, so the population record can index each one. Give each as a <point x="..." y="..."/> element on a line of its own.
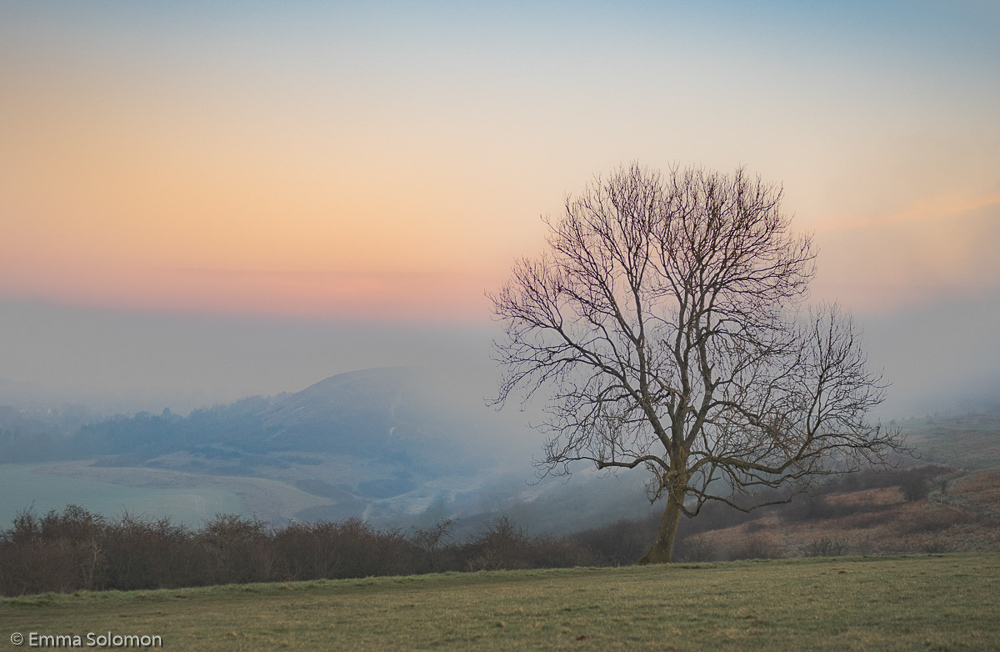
<point x="396" y="446"/>
<point x="378" y="414"/>
<point x="372" y="443"/>
<point x="374" y="414"/>
<point x="967" y="441"/>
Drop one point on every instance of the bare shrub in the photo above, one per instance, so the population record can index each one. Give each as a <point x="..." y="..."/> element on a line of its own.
<point x="915" y="487"/>
<point x="307" y="551"/>
<point x="239" y="549"/>
<point x="698" y="548"/>
<point x="48" y="567"/>
<point x="619" y="543"/>
<point x="502" y="547"/>
<point x="355" y="542"/>
<point x="873" y="479"/>
<point x="143" y="554"/>
<point x="756" y="547"/>
<point x="394" y="554"/>
<point x="825" y="547"/>
<point x="354" y="548"/>
<point x="430" y="540"/>
<point x="58" y="552"/>
<point x="557" y="552"/>
<point x="935" y="520"/>
<point x="935" y="547"/>
<point x="809" y="508"/>
<point x="868" y="516"/>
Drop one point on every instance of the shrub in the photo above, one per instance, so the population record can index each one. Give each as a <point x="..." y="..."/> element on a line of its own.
<point x="935" y="547"/>
<point x="697" y="548"/>
<point x="143" y="554"/>
<point x="239" y="549"/>
<point x="556" y="552"/>
<point x="808" y="508"/>
<point x="825" y="547"/>
<point x="622" y="542"/>
<point x="501" y="548"/>
<point x="915" y="487"/>
<point x="756" y="547"/>
<point x="429" y="540"/>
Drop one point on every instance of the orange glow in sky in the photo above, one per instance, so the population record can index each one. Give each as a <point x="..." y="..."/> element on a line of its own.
<point x="390" y="163"/>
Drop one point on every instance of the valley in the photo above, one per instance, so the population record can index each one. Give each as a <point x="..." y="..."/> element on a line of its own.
<point x="391" y="446"/>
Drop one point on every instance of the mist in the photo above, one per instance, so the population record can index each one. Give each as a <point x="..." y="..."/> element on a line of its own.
<point x="129" y="361"/>
<point x="938" y="357"/>
<point x="935" y="357"/>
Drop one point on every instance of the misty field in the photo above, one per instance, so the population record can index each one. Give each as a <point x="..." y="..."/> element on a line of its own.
<point x="50" y="486"/>
<point x="930" y="602"/>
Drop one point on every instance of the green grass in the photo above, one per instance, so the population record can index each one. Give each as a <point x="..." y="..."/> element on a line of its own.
<point x="929" y="602"/>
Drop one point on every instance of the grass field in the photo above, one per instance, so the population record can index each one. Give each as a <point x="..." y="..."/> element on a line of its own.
<point x="927" y="602"/>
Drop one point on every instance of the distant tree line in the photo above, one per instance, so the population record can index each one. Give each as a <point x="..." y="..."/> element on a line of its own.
<point x="147" y="435"/>
<point x="76" y="549"/>
<point x="36" y="435"/>
<point x="129" y="439"/>
<point x="234" y="436"/>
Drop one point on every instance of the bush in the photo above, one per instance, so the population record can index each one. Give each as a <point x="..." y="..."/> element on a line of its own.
<point x="503" y="547"/>
<point x="697" y="548"/>
<point x="239" y="549"/>
<point x="73" y="550"/>
<point x="622" y="542"/>
<point x="825" y="547"/>
<point x="140" y="554"/>
<point x="935" y="547"/>
<point x="430" y="540"/>
<point x="756" y="547"/>
<point x="915" y="487"/>
<point x="810" y="507"/>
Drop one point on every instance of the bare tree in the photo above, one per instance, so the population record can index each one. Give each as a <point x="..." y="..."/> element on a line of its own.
<point x="666" y="325"/>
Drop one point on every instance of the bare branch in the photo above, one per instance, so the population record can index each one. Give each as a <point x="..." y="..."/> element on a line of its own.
<point x="664" y="323"/>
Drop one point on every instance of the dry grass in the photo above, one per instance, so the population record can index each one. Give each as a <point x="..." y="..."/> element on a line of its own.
<point x="937" y="602"/>
<point x="980" y="491"/>
<point x="873" y="521"/>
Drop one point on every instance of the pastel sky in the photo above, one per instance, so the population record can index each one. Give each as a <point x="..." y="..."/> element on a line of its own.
<point x="385" y="162"/>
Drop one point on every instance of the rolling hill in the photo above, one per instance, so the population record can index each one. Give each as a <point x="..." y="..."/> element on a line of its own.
<point x="396" y="446"/>
<point x="373" y="443"/>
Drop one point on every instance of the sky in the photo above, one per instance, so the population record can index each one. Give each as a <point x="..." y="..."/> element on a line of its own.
<point x="205" y="200"/>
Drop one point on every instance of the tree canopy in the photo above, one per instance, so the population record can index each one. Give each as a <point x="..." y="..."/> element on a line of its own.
<point x="666" y="325"/>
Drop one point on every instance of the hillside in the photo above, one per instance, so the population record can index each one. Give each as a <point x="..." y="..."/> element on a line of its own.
<point x="377" y="443"/>
<point x="374" y="414"/>
<point x="964" y="441"/>
<point x="402" y="447"/>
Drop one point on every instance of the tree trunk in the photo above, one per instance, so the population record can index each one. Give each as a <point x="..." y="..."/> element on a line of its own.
<point x="663" y="547"/>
